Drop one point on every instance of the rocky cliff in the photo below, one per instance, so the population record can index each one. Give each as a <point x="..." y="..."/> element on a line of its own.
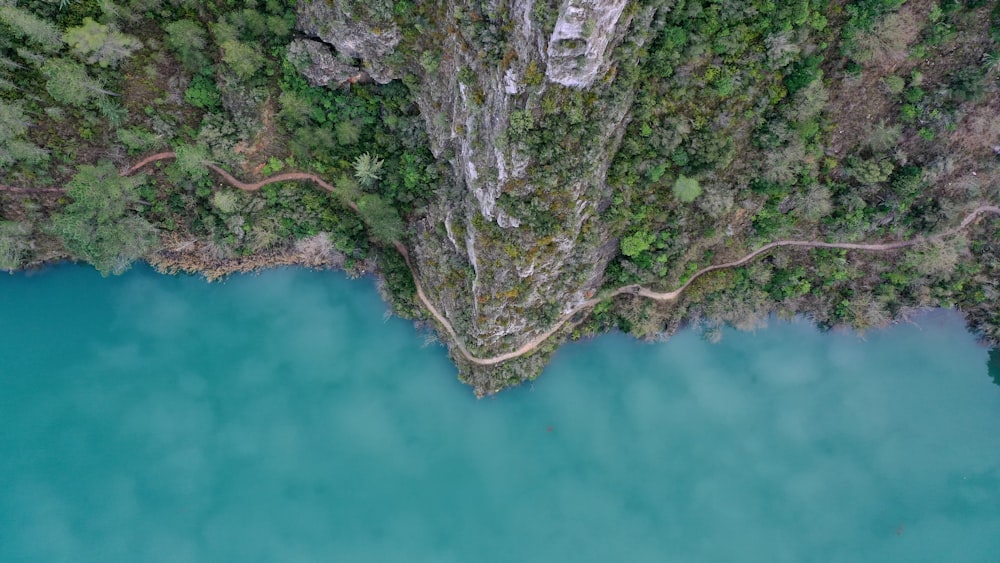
<point x="527" y="101"/>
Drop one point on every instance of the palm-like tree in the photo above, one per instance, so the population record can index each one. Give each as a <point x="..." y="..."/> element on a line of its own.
<point x="367" y="168"/>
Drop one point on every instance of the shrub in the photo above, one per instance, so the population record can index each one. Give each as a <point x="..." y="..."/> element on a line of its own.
<point x="203" y="93"/>
<point x="871" y="171"/>
<point x="637" y="243"/>
<point x="521" y="122"/>
<point x="686" y="189"/>
<point x="908" y="113"/>
<point x="894" y="84"/>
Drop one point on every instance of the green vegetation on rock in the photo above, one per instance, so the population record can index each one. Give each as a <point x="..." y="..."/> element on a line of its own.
<point x="522" y="180"/>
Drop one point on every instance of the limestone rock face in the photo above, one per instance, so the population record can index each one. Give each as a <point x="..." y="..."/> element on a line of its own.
<point x="336" y="24"/>
<point x="319" y="64"/>
<point x="522" y="99"/>
<point x="579" y="43"/>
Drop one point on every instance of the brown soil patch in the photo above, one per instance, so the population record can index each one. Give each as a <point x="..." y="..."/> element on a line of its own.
<point x="265" y="144"/>
<point x="186" y="254"/>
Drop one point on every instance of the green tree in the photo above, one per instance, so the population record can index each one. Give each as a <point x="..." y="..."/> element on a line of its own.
<point x="14" y="244"/>
<point x="69" y="83"/>
<point x="872" y="171"/>
<point x="637" y="243"/>
<point x="101" y="225"/>
<point x="367" y="168"/>
<point x="203" y="93"/>
<point x="242" y="58"/>
<point x="348" y="190"/>
<point x="188" y="39"/>
<point x="27" y="25"/>
<point x="101" y="44"/>
<point x="686" y="189"/>
<point x="295" y="108"/>
<point x="348" y="132"/>
<point x="191" y="159"/>
<point x="20" y="150"/>
<point x="384" y="222"/>
<point x="13" y="122"/>
<point x="13" y="146"/>
<point x="226" y="200"/>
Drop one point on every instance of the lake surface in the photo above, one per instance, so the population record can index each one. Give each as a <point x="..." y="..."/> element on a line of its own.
<point x="283" y="417"/>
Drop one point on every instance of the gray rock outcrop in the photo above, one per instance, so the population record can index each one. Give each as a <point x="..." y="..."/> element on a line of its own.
<point x="318" y="63"/>
<point x="524" y="102"/>
<point x="352" y="35"/>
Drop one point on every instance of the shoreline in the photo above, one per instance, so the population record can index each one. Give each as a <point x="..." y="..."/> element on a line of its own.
<point x="575" y="316"/>
<point x="188" y="262"/>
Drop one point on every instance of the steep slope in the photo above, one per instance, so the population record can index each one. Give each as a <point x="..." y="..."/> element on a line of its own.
<point x="742" y="123"/>
<point x="529" y="110"/>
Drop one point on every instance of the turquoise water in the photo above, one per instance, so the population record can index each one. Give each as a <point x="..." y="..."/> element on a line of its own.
<point x="282" y="417"/>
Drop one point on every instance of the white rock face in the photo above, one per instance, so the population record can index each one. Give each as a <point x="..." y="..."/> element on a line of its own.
<point x="485" y="253"/>
<point x="318" y="63"/>
<point x="578" y="47"/>
<point x="335" y="25"/>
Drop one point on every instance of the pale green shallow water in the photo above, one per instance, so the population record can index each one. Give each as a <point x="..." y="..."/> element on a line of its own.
<point x="280" y="418"/>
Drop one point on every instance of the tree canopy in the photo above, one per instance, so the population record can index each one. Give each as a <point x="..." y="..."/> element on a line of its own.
<point x="70" y="83"/>
<point x="188" y="39"/>
<point x="13" y="145"/>
<point x="101" y="44"/>
<point x="367" y="169"/>
<point x="27" y="25"/>
<point x="687" y="189"/>
<point x="101" y="225"/>
<point x="637" y="243"/>
<point x="381" y="217"/>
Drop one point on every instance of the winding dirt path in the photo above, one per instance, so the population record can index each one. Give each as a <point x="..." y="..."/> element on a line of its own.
<point x="634" y="289"/>
<point x="673" y="295"/>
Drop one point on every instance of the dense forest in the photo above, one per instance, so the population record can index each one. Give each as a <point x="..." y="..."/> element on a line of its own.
<point x="88" y="87"/>
<point x="748" y="121"/>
